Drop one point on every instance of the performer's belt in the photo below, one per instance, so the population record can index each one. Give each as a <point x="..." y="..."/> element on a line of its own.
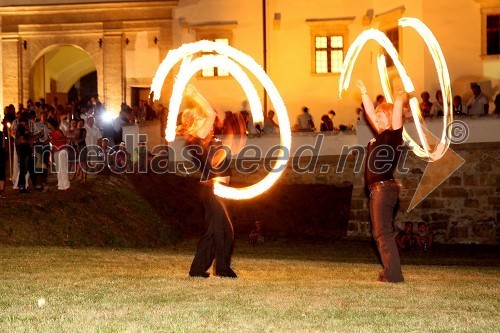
<point x="382" y="183"/>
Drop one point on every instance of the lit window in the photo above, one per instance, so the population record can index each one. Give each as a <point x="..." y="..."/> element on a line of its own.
<point x="492" y="34"/>
<point x="214" y="71"/>
<point x="329" y="53"/>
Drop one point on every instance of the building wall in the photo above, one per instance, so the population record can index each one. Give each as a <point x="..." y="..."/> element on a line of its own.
<point x="457" y="27"/>
<point x="84" y="26"/>
<point x="464" y="208"/>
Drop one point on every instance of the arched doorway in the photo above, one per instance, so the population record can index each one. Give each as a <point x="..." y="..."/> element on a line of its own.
<point x="63" y="71"/>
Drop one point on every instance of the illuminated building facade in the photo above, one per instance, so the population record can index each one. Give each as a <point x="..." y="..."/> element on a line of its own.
<point x="52" y="47"/>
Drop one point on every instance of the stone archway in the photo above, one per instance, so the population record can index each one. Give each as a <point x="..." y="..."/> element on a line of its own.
<point x="59" y="68"/>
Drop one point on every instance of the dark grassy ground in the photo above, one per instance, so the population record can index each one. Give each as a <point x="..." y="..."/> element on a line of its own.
<point x="164" y="210"/>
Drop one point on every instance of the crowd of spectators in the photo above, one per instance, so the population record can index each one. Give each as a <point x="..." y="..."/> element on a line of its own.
<point x="66" y="139"/>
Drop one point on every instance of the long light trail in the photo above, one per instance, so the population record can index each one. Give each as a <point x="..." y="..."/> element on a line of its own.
<point x="442" y="71"/>
<point x="224" y="60"/>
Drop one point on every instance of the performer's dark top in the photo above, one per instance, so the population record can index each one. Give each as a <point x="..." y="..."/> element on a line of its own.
<point x="383" y="155"/>
<point x="203" y="151"/>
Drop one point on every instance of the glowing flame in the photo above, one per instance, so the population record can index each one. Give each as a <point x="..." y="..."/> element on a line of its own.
<point x="442" y="70"/>
<point x="224" y="60"/>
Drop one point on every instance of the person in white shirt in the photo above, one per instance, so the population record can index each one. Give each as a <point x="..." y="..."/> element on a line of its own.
<point x="92" y="139"/>
<point x="479" y="102"/>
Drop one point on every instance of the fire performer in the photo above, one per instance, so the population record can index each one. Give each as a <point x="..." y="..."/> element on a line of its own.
<point x="383" y="155"/>
<point x="211" y="159"/>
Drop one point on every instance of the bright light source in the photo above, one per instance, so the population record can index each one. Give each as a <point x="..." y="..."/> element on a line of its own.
<point x="107" y="116"/>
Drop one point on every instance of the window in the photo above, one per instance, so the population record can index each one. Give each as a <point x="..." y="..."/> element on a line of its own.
<point x="328" y="43"/>
<point x="490" y="29"/>
<point x="329" y="54"/>
<point x="219" y="32"/>
<point x="210" y="72"/>
<point x="492" y="34"/>
<point x="393" y="35"/>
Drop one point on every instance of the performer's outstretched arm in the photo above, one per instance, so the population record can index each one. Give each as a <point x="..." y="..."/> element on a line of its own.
<point x="397" y="111"/>
<point x="367" y="104"/>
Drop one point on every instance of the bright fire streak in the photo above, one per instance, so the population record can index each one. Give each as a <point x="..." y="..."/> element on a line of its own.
<point x="355" y="49"/>
<point x="444" y="83"/>
<point x="175" y="56"/>
<point x="443" y="75"/>
<point x="414" y="106"/>
<point x="187" y="50"/>
<point x="189" y="68"/>
<point x="384" y="78"/>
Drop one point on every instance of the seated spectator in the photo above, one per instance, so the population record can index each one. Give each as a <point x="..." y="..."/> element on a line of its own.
<point x="425" y="105"/>
<point x="424" y="237"/>
<point x="479" y="102"/>
<point x="497" y="104"/>
<point x="380" y="99"/>
<point x="326" y="124"/>
<point x="437" y="109"/>
<point x="305" y="121"/>
<point x="270" y="126"/>
<point x="256" y="235"/>
<point x="459" y="107"/>
<point x="404" y="238"/>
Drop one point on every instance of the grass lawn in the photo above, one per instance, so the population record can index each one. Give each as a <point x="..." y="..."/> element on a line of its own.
<point x="282" y="287"/>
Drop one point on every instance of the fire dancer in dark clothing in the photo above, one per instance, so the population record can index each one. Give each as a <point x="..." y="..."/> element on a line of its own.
<point x="210" y="158"/>
<point x="383" y="155"/>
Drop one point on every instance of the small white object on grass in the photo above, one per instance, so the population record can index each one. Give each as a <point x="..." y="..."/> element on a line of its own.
<point x="41" y="302"/>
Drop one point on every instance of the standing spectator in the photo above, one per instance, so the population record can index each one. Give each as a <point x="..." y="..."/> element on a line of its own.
<point x="93" y="134"/>
<point x="42" y="151"/>
<point x="81" y="165"/>
<point x="425" y="105"/>
<point x="3" y="161"/>
<point x="59" y="142"/>
<point x="387" y="121"/>
<point x="25" y="153"/>
<point x="479" y="102"/>
<point x="305" y="121"/>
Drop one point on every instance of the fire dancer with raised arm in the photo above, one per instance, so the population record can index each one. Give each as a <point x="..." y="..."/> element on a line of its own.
<point x="211" y="159"/>
<point x="383" y="155"/>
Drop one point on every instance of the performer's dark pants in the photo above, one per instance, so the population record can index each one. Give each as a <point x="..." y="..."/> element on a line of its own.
<point x="382" y="202"/>
<point x="218" y="238"/>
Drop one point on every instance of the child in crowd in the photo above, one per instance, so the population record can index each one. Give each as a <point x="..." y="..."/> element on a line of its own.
<point x="424" y="237"/>
<point x="405" y="238"/>
<point x="256" y="234"/>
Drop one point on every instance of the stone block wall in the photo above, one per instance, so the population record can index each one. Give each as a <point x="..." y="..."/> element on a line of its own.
<point x="465" y="208"/>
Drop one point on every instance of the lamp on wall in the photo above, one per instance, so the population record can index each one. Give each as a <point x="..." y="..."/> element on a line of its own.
<point x="155" y="39"/>
<point x="184" y="25"/>
<point x="277" y="21"/>
<point x="367" y="18"/>
<point x="100" y="43"/>
<point x="25" y="44"/>
<point x="127" y="41"/>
